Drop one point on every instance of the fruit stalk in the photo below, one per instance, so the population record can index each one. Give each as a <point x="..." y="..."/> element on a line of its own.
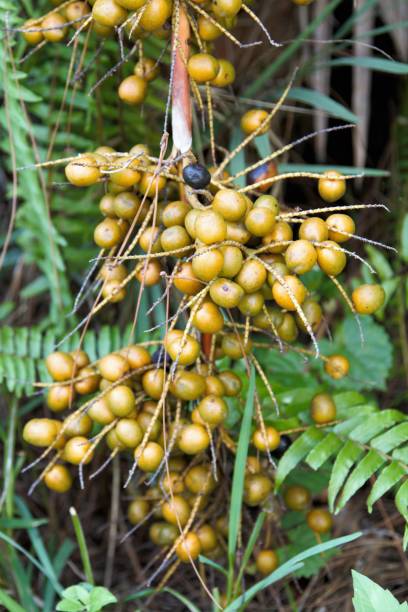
<point x="181" y="99"/>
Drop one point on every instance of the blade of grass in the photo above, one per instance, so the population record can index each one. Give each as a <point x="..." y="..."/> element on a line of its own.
<point x="83" y="549"/>
<point x="371" y="63"/>
<point x="322" y="168"/>
<point x="212" y="564"/>
<point x="37" y="541"/>
<point x="237" y="489"/>
<point x="59" y="563"/>
<point x="290" y="50"/>
<point x="9" y="603"/>
<point x="33" y="560"/>
<point x="146" y="592"/>
<point x="250" y="546"/>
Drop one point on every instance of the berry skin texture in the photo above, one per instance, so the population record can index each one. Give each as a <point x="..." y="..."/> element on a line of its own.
<point x="121" y="400"/>
<point x="75" y="450"/>
<point x="367" y="299"/>
<point x="282" y="296"/>
<point x="226" y="8"/>
<point x="193" y="439"/>
<point x="196" y="176"/>
<point x="33" y="38"/>
<point x="266" y="561"/>
<point x="210" y="227"/>
<point x="41" y="432"/>
<point x="314" y="229"/>
<point x="56" y="21"/>
<point x="260" y="221"/>
<point x="252" y="120"/>
<point x="252" y="276"/>
<point x="270" y="443"/>
<point x="319" y="520"/>
<point x="150" y="458"/>
<point x="113" y="367"/>
<point x="83" y="171"/>
<point x="60" y="365"/>
<point x="189" y="547"/>
<point x="225" y="75"/>
<point x="60" y="397"/>
<point x="232" y="383"/>
<point x="208" y="319"/>
<point x="138" y="510"/>
<point x="207" y="264"/>
<point x="330" y="258"/>
<point x="257" y="487"/>
<point x="202" y="67"/>
<point x="337" y="366"/>
<point x="156" y="14"/>
<point x="341" y="227"/>
<point x="176" y="510"/>
<point x="296" y="498"/>
<point x="323" y="408"/>
<point x="300" y="256"/>
<point x="230" y="204"/>
<point x="332" y="186"/>
<point x="108" y="13"/>
<point x="225" y="293"/>
<point x="186" y="281"/>
<point x="58" y="479"/>
<point x="132" y="90"/>
<point x="213" y="410"/>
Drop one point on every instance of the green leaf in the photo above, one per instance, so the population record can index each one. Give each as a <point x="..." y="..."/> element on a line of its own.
<point x="359" y="476"/>
<point x="288" y="568"/>
<point x="401" y="500"/>
<point x="371" y="597"/>
<point x="99" y="598"/>
<point x="376" y="424"/>
<point x="323" y="102"/>
<point x="345" y="460"/>
<point x="388" y="478"/>
<point x="250" y="546"/>
<point x="323" y="450"/>
<point x="371" y="63"/>
<point x="70" y="605"/>
<point x="237" y="489"/>
<point x="367" y="371"/>
<point x="391" y="438"/>
<point x="296" y="452"/>
<point x="379" y="262"/>
<point x="404" y="239"/>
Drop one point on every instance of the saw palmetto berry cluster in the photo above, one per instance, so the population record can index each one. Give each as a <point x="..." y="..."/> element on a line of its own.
<point x="231" y="262"/>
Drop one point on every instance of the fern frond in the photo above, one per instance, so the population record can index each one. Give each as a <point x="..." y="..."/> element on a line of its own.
<point x="368" y="443"/>
<point x="23" y="349"/>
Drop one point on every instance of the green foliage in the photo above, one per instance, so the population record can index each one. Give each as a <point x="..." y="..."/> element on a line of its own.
<point x="371" y="597"/>
<point x="84" y="597"/>
<point x="23" y="349"/>
<point x="365" y="443"/>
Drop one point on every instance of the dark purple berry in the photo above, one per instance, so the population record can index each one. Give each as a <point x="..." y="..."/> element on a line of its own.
<point x="196" y="176"/>
<point x="267" y="170"/>
<point x="284" y="444"/>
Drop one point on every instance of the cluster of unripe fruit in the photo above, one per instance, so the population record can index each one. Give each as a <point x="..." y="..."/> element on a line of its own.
<point x="232" y="252"/>
<point x="139" y="18"/>
<point x="54" y="26"/>
<point x="125" y="388"/>
<point x="124" y="391"/>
